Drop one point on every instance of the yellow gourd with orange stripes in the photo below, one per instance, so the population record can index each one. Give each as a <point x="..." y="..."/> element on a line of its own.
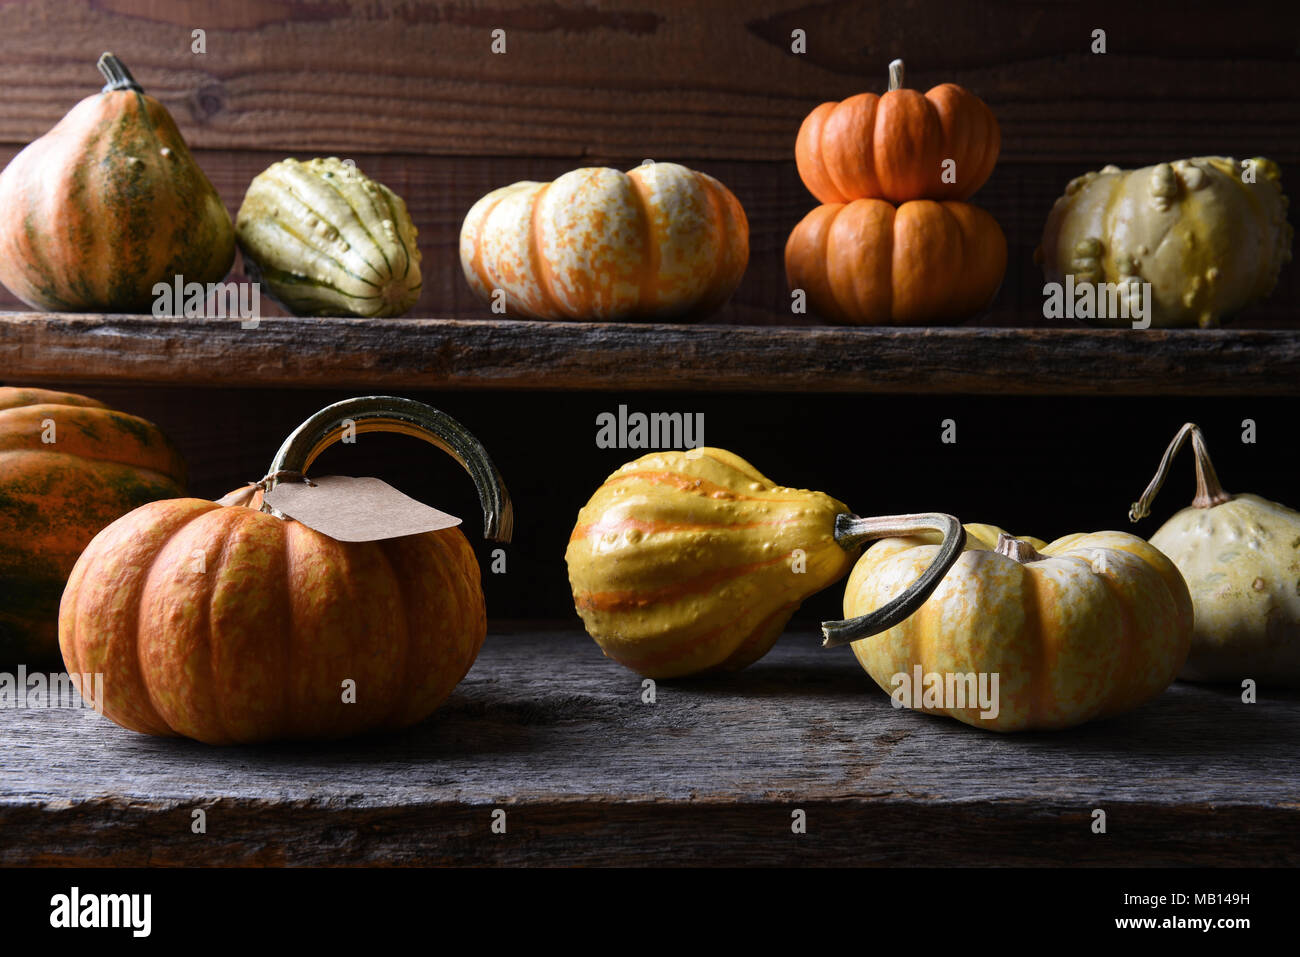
<point x="1086" y="627"/>
<point x="687" y="562"/>
<point x="659" y="242"/>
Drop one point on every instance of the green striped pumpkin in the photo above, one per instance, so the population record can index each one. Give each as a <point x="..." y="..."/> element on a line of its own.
<point x="69" y="467"/>
<point x="326" y="240"/>
<point x="106" y="205"/>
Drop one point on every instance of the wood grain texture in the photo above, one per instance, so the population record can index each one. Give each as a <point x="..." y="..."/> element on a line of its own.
<point x="516" y="354"/>
<point x="663" y="78"/>
<point x="558" y="736"/>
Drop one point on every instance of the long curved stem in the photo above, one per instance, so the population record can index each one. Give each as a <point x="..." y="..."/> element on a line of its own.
<point x="117" y="75"/>
<point x="851" y="531"/>
<point x="1209" y="492"/>
<point x="385" y="413"/>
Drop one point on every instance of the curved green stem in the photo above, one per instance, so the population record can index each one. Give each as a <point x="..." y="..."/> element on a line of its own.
<point x="851" y="531"/>
<point x="385" y="413"/>
<point x="117" y="75"/>
<point x="1209" y="492"/>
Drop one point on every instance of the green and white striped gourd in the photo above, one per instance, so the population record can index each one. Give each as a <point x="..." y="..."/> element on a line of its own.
<point x="324" y="239"/>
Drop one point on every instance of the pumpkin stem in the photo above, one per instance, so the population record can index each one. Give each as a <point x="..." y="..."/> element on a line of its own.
<point x="851" y="531"/>
<point x="1209" y="492"/>
<point x="1017" y="549"/>
<point x="117" y="75"/>
<point x="240" y="496"/>
<point x="896" y="75"/>
<point x="385" y="413"/>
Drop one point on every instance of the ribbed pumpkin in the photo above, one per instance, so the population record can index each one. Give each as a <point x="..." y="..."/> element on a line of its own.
<point x="69" y="466"/>
<point x="1240" y="555"/>
<point x="1087" y="627"/>
<point x="690" y="562"/>
<point x="106" y="205"/>
<point x="659" y="242"/>
<point x="326" y="240"/>
<point x="1209" y="242"/>
<point x="228" y="623"/>
<point x="893" y="146"/>
<point x="869" y="263"/>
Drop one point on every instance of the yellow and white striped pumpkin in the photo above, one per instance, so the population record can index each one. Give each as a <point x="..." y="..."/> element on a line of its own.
<point x="659" y="242"/>
<point x="1087" y="627"/>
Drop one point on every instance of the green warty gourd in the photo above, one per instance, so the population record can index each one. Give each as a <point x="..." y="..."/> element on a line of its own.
<point x="324" y="239"/>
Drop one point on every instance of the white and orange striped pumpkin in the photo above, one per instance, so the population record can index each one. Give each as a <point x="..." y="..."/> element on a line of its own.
<point x="659" y="242"/>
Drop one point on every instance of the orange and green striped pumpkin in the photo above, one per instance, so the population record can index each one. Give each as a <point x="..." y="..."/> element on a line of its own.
<point x="106" y="205"/>
<point x="69" y="466"/>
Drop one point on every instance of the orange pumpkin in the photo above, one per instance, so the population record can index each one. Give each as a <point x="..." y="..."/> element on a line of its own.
<point x="106" y="205"/>
<point x="69" y="466"/>
<point x="869" y="263"/>
<point x="894" y="146"/>
<point x="230" y="623"/>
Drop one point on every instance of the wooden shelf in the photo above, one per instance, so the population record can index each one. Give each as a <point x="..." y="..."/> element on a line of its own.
<point x="515" y="354"/>
<point x="546" y="728"/>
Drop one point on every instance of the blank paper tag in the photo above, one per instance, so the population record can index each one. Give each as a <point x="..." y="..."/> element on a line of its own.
<point x="356" y="509"/>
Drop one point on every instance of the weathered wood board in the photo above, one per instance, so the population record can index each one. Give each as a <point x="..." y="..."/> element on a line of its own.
<point x="518" y="354"/>
<point x="558" y="737"/>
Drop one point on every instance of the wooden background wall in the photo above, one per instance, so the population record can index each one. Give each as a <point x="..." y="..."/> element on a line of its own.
<point x="412" y="91"/>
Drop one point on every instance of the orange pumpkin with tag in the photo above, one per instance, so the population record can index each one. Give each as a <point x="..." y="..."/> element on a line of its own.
<point x="230" y="623"/>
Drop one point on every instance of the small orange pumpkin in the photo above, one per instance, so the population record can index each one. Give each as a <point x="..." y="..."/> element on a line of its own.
<point x="229" y="623"/>
<point x="869" y="263"/>
<point x="894" y="146"/>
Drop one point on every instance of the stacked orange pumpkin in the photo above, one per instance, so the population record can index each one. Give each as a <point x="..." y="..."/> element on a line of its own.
<point x="895" y="242"/>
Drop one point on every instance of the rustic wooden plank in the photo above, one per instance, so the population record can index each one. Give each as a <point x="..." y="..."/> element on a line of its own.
<point x="669" y="78"/>
<point x="559" y="737"/>
<point x="440" y="190"/>
<point x="517" y="354"/>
